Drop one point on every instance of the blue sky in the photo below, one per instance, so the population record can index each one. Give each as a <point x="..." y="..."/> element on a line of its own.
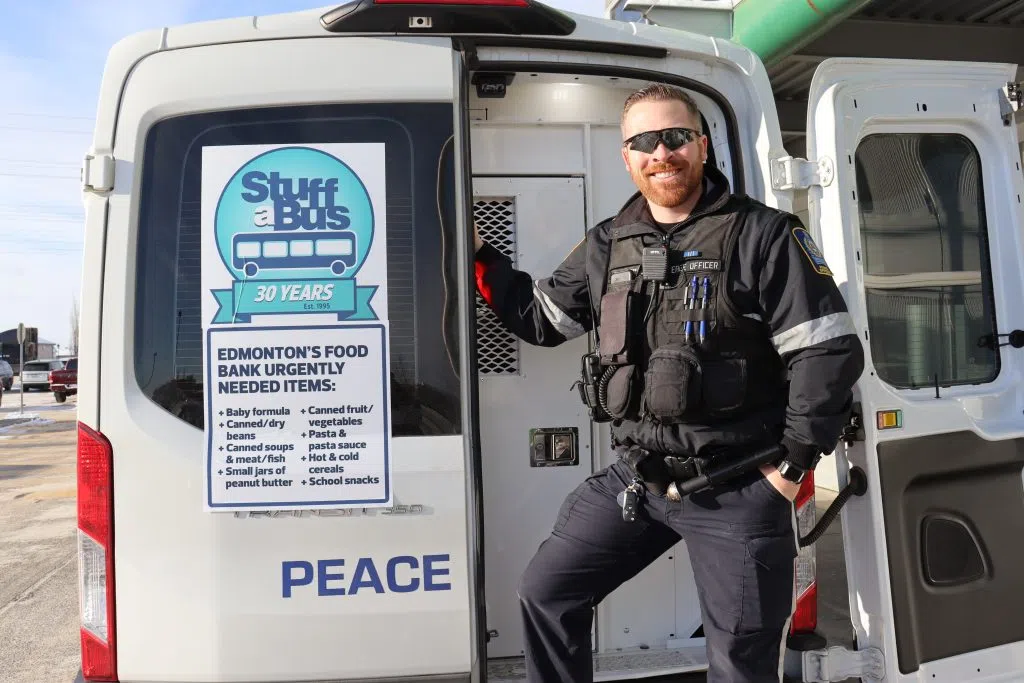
<point x="52" y="54"/>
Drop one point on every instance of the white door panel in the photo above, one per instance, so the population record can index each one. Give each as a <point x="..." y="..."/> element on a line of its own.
<point x="201" y="596"/>
<point x="922" y="227"/>
<point x="537" y="221"/>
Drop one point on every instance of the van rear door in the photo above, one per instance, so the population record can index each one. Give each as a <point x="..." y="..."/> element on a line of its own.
<point x="355" y="142"/>
<point x="922" y="227"/>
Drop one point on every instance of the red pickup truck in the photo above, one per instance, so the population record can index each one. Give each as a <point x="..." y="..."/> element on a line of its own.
<point x="64" y="382"/>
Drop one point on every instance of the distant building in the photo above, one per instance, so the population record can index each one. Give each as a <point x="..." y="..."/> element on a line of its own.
<point x="35" y="347"/>
<point x="46" y="349"/>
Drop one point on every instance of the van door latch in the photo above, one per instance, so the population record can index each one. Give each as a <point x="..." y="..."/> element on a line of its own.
<point x="791" y="173"/>
<point x="98" y="173"/>
<point x="838" y="664"/>
<point x="854" y="429"/>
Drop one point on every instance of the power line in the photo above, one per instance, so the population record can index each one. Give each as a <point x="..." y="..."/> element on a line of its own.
<point x="54" y="209"/>
<point x="48" y="241"/>
<point x="26" y="218"/>
<point x="43" y="219"/>
<point x="47" y="252"/>
<point x="12" y="205"/>
<point x="40" y="175"/>
<point x="47" y="116"/>
<point x="47" y="212"/>
<point x="11" y="228"/>
<point x="31" y="162"/>
<point x="46" y="130"/>
<point x="49" y="245"/>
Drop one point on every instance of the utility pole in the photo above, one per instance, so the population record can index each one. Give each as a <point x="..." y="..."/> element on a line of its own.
<point x="21" y="364"/>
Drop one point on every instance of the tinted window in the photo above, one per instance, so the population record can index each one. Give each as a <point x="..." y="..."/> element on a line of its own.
<point x="37" y="367"/>
<point x="71" y="364"/>
<point x="420" y="247"/>
<point x="925" y="250"/>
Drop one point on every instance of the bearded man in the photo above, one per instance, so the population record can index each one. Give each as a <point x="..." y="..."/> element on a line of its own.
<point x="720" y="332"/>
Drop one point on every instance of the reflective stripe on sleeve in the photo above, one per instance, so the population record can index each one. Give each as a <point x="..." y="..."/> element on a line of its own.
<point x="559" y="319"/>
<point x="814" y="332"/>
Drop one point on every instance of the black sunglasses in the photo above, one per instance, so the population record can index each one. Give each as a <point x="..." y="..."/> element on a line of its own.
<point x="674" y="138"/>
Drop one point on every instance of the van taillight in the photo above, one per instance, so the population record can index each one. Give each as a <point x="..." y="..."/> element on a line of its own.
<point x="805" y="617"/>
<point x="96" y="555"/>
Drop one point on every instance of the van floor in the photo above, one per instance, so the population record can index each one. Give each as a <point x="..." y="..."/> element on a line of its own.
<point x="833" y="618"/>
<point x="611" y="666"/>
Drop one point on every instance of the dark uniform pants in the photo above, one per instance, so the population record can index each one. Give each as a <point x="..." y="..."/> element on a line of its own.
<point x="742" y="544"/>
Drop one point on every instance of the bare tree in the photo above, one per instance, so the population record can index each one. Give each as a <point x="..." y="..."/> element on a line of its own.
<point x="74" y="326"/>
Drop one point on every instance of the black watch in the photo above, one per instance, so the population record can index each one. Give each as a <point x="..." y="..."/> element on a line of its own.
<point x="792" y="472"/>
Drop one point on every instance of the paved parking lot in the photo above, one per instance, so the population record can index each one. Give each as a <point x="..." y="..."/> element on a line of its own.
<point x="38" y="593"/>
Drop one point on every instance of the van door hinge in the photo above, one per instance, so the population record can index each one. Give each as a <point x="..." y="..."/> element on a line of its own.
<point x="98" y="173"/>
<point x="838" y="664"/>
<point x="791" y="173"/>
<point x="1012" y="101"/>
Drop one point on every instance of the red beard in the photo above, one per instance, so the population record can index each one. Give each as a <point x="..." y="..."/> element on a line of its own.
<point x="674" y="191"/>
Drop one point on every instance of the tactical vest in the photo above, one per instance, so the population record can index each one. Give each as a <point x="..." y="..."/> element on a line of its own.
<point x="674" y="348"/>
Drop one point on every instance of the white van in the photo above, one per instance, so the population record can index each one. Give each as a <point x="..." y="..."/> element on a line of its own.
<point x="308" y="452"/>
<point x="36" y="373"/>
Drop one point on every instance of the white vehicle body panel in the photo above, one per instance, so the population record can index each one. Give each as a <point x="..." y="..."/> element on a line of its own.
<point x="851" y="100"/>
<point x="199" y="595"/>
<point x="204" y="603"/>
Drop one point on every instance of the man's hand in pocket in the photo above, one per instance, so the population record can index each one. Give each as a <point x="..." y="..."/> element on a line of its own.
<point x="784" y="486"/>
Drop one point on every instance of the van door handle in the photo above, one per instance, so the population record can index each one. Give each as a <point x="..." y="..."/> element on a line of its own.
<point x="991" y="341"/>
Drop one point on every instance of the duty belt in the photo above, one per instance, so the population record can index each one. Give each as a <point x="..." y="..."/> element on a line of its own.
<point x="684" y="469"/>
<point x="658" y="471"/>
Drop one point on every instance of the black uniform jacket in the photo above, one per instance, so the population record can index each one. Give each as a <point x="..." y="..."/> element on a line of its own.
<point x="774" y="277"/>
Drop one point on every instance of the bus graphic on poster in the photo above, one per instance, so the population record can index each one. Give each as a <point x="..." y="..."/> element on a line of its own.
<point x="293" y="227"/>
<point x="253" y="252"/>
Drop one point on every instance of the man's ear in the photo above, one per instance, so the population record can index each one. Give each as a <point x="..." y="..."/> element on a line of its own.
<point x="625" y="156"/>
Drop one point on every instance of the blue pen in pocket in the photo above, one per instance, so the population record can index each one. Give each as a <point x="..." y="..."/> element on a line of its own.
<point x="693" y="304"/>
<point x="703" y="306"/>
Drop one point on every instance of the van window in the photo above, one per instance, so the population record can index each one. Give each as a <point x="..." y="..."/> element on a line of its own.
<point x="928" y="279"/>
<point x="422" y="296"/>
<point x="37" y="366"/>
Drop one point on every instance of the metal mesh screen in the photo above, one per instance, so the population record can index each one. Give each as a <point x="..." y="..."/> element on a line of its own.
<point x="498" y="349"/>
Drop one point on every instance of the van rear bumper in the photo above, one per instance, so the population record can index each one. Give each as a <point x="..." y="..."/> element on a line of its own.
<point x="424" y="679"/>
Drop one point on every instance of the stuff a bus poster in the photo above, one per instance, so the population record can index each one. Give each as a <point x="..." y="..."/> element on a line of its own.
<point x="295" y="327"/>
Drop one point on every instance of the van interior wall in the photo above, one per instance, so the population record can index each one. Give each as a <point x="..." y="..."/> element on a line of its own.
<point x="568" y="125"/>
<point x="550" y="124"/>
<point x="547" y="129"/>
<point x="564" y="124"/>
<point x="556" y="125"/>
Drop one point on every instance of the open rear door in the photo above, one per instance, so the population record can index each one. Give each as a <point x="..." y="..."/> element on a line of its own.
<point x="921" y="225"/>
<point x="281" y="363"/>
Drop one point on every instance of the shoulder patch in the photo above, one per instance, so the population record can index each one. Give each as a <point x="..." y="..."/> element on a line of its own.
<point x="811" y="251"/>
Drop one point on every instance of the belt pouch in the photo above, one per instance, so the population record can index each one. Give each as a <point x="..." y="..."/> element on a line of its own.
<point x="614" y="330"/>
<point x="623" y="395"/>
<point x="672" y="386"/>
